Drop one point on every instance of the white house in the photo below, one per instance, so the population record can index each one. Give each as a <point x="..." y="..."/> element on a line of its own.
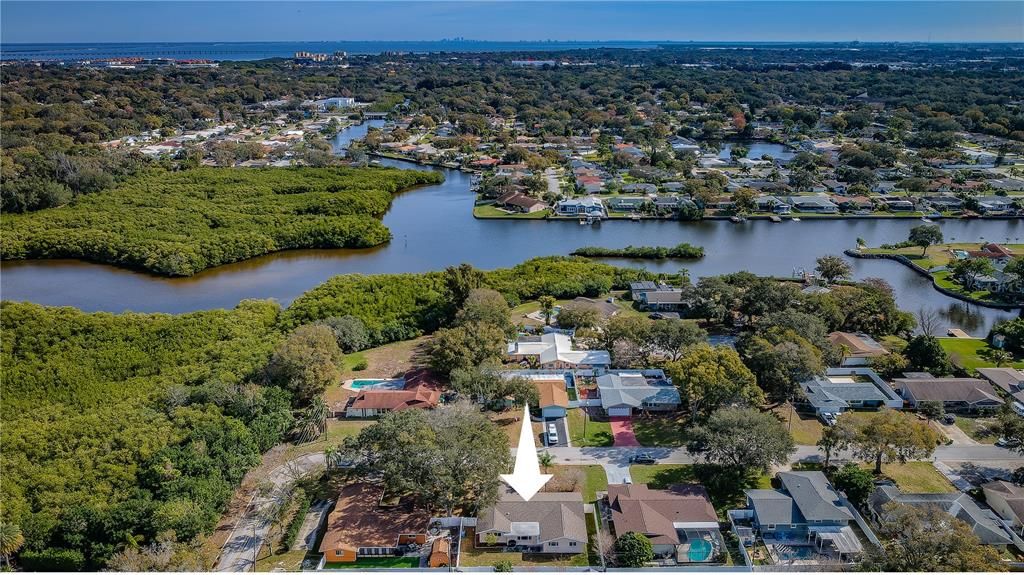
<point x="556" y="351"/>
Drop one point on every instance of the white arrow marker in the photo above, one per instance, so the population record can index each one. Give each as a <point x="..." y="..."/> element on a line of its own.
<point x="526" y="477"/>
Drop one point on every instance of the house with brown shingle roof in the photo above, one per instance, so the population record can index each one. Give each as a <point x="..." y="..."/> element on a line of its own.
<point x="375" y="402"/>
<point x="957" y="394"/>
<point x="859" y="348"/>
<point x="680" y="521"/>
<point x="1007" y="500"/>
<point x="547" y="523"/>
<point x="363" y="525"/>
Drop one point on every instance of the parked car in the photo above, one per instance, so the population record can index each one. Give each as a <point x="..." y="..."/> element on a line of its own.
<point x="948" y="419"/>
<point x="642" y="459"/>
<point x="1004" y="442"/>
<point x="552" y="434"/>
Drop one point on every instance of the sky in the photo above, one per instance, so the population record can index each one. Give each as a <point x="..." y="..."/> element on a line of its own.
<point x="752" y="20"/>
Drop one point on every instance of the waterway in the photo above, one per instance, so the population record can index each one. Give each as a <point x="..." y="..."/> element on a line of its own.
<point x="433" y="228"/>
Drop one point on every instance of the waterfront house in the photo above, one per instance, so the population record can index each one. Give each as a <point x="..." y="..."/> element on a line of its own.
<point x="520" y="203"/>
<point x="670" y="299"/>
<point x="997" y="254"/>
<point x="1007" y="500"/>
<point x="957" y="394"/>
<point x="994" y="204"/>
<point x="843" y="388"/>
<point x="836" y="187"/>
<point x="587" y="206"/>
<point x="556" y="351"/>
<point x="626" y="203"/>
<point x="640" y="287"/>
<point x="858" y="348"/>
<point x="1008" y="379"/>
<point x="812" y="204"/>
<point x="806" y="510"/>
<point x="364" y="524"/>
<point x="680" y="521"/>
<point x="983" y="522"/>
<point x="624" y="391"/>
<point x="547" y="523"/>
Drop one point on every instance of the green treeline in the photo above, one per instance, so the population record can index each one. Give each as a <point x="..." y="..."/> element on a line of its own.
<point x="180" y="223"/>
<point x="681" y="251"/>
<point x="120" y="428"/>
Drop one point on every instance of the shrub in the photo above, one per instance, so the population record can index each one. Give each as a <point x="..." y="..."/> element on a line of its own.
<point x="52" y="560"/>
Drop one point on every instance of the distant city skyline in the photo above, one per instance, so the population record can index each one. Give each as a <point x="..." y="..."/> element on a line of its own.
<point x="701" y="21"/>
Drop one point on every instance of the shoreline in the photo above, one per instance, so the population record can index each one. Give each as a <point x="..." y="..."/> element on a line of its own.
<point x="924" y="273"/>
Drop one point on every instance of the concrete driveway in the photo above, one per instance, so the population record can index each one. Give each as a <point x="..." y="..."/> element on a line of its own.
<point x="563" y="432"/>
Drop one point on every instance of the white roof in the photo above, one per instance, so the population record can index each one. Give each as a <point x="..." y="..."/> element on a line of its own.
<point x="552" y="347"/>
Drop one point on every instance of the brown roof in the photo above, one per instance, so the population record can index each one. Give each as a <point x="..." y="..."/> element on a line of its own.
<point x="654" y="512"/>
<point x="552" y="392"/>
<point x="857" y="344"/>
<point x="522" y="201"/>
<point x="358" y="520"/>
<point x="1013" y="494"/>
<point x="420" y="397"/>
<point x="966" y="389"/>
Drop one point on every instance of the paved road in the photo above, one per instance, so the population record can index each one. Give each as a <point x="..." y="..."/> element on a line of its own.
<point x="247" y="537"/>
<point x="552" y="177"/>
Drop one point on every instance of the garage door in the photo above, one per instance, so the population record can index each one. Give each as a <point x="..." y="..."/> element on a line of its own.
<point x="553" y="412"/>
<point x="620" y="411"/>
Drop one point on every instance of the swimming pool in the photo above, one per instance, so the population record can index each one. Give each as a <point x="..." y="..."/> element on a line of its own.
<point x="700" y="550"/>
<point x="361" y="383"/>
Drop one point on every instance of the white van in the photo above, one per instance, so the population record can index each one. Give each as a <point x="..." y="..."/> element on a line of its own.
<point x="1018" y="408"/>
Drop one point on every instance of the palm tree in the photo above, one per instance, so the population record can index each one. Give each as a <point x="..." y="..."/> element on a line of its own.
<point x="312" y="422"/>
<point x="547" y="307"/>
<point x="11" y="540"/>
<point x="546" y="460"/>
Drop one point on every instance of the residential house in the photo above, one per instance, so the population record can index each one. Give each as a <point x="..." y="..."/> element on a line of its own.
<point x="363" y="524"/>
<point x="999" y="255"/>
<point x="670" y="299"/>
<point x="375" y="402"/>
<point x="858" y="348"/>
<point x="556" y="351"/>
<point x="521" y="203"/>
<point x="680" y="144"/>
<point x="547" y="523"/>
<point x="843" y="388"/>
<point x="836" y="187"/>
<point x="580" y="206"/>
<point x="945" y="203"/>
<point x="1005" y="378"/>
<point x="626" y="204"/>
<point x="983" y="522"/>
<point x="1007" y="500"/>
<point x="994" y="204"/>
<point x="957" y="394"/>
<point x="806" y="510"/>
<point x="624" y="391"/>
<point x="812" y="204"/>
<point x="680" y="521"/>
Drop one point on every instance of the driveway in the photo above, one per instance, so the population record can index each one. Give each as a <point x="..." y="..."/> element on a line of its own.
<point x="955" y="434"/>
<point x="622" y="431"/>
<point x="563" y="432"/>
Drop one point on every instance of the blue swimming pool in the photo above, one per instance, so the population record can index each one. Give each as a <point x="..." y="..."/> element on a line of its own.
<point x="361" y="383"/>
<point x="700" y="550"/>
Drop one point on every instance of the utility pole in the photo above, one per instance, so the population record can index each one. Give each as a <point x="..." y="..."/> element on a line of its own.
<point x="255" y="548"/>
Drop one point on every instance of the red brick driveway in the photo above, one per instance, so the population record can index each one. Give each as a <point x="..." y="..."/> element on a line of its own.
<point x="622" y="431"/>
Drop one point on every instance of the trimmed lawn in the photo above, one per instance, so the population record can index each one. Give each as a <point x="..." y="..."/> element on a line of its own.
<point x="667" y="430"/>
<point x="964" y="352"/>
<point x="598" y="433"/>
<point x="805" y="428"/>
<point x="337" y="431"/>
<point x="471" y="556"/>
<point x="724" y="496"/>
<point x="915" y="477"/>
<point x="587" y="479"/>
<point x="489" y="211"/>
<point x="378" y="563"/>
<point x="980" y="429"/>
<point x="287" y="561"/>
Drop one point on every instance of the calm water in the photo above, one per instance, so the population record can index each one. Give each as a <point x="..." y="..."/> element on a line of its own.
<point x="756" y="149"/>
<point x="433" y="228"/>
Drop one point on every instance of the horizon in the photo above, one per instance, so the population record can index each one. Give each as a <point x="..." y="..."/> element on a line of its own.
<point x="761" y="21"/>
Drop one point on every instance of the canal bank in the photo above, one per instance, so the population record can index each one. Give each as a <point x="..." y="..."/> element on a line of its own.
<point x="432" y="228"/>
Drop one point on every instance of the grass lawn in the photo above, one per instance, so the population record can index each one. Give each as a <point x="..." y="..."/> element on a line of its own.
<point x="724" y="496"/>
<point x="805" y="428"/>
<point x="472" y="556"/>
<point x="378" y="563"/>
<point x="915" y="477"/>
<point x="337" y="431"/>
<point x="980" y="429"/>
<point x="509" y="422"/>
<point x="598" y="433"/>
<point x="489" y="211"/>
<point x="391" y="360"/>
<point x="661" y="430"/>
<point x="943" y="279"/>
<point x="587" y="479"/>
<point x="964" y="352"/>
<point x="287" y="561"/>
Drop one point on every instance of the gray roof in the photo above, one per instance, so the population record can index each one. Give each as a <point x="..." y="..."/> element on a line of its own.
<point x="643" y="285"/>
<point x="632" y="390"/>
<point x="663" y="296"/>
<point x="804" y="496"/>
<point x="821" y="391"/>
<point x="1006" y="378"/>
<point x="558" y="515"/>
<point x="983" y="522"/>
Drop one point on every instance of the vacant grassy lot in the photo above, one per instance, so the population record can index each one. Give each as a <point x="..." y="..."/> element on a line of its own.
<point x="378" y="563"/>
<point x="964" y="352"/>
<point x="724" y="494"/>
<point x="287" y="561"/>
<point x="669" y="430"/>
<point x="980" y="429"/>
<point x="805" y="428"/>
<point x="585" y="432"/>
<point x="509" y="422"/>
<point x="915" y="477"/>
<point x="587" y="479"/>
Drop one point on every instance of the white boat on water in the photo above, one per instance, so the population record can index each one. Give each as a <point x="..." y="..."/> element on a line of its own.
<point x="794" y="219"/>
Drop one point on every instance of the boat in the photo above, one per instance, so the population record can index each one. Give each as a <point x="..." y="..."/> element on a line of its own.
<point x="775" y="219"/>
<point x="925" y="219"/>
<point x="737" y="219"/>
<point x="635" y="217"/>
<point x="794" y="219"/>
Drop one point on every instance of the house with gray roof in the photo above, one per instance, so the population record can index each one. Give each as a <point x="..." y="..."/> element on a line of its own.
<point x="1007" y="379"/>
<point x="843" y="388"/>
<point x="806" y="510"/>
<point x="983" y="522"/>
<point x="547" y="523"/>
<point x="957" y="394"/>
<point x="623" y="391"/>
<point x="812" y="204"/>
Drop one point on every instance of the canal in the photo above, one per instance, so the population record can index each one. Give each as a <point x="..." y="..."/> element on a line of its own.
<point x="433" y="228"/>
